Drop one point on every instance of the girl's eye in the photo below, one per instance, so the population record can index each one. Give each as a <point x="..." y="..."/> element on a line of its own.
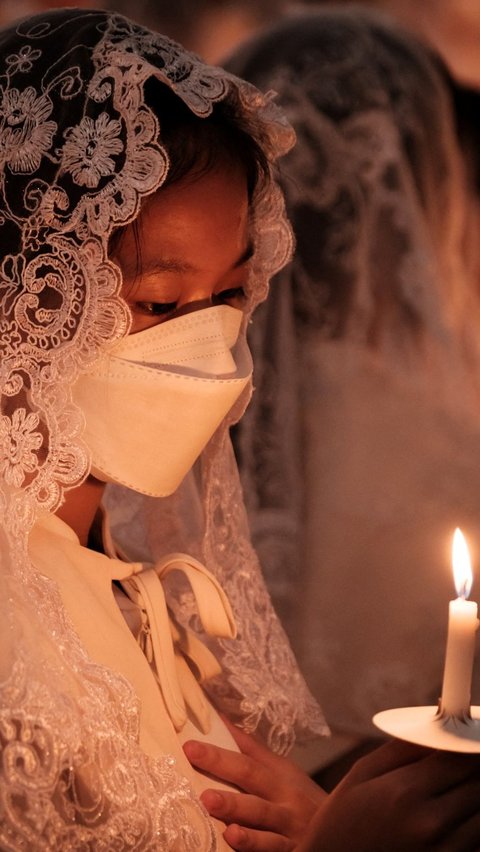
<point x="233" y="294"/>
<point x="156" y="309"/>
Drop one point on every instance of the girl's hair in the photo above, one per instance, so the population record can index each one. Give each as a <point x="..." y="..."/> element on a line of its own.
<point x="196" y="145"/>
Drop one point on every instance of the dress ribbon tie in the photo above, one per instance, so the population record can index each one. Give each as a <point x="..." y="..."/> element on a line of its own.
<point x="179" y="660"/>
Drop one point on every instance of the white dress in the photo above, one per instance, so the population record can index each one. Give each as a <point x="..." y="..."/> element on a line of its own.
<point x="85" y="580"/>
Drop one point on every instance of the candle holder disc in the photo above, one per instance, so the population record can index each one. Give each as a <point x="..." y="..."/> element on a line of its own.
<point x="424" y="726"/>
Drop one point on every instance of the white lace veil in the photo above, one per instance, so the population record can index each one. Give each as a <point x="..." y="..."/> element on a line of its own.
<point x="367" y="351"/>
<point x="79" y="149"/>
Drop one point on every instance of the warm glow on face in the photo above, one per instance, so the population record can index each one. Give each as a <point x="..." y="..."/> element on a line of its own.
<point x="462" y="569"/>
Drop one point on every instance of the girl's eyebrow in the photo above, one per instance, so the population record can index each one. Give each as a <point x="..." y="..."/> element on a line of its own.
<point x="181" y="267"/>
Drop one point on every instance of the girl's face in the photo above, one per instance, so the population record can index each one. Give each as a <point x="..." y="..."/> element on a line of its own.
<point x="194" y="248"/>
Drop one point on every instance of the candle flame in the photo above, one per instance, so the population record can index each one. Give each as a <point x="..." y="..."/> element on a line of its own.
<point x="462" y="569"/>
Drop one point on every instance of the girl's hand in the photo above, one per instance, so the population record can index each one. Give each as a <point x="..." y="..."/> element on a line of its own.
<point x="401" y="797"/>
<point x="276" y="800"/>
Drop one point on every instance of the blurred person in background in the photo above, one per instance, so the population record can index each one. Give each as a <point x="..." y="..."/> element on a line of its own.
<point x="360" y="451"/>
<point x="452" y="27"/>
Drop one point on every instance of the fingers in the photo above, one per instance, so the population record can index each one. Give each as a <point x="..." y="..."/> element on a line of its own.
<point x="465" y="838"/>
<point x="450" y="823"/>
<point x="286" y="773"/>
<point x="249" y="840"/>
<point x="251" y="811"/>
<point x="412" y="767"/>
<point x="460" y="805"/>
<point x="262" y="773"/>
<point x="236" y="768"/>
<point x="440" y="772"/>
<point x="386" y="758"/>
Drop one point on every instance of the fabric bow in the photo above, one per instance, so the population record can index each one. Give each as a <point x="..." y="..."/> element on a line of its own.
<point x="179" y="659"/>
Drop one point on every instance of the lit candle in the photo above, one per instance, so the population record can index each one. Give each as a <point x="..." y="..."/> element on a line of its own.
<point x="462" y="626"/>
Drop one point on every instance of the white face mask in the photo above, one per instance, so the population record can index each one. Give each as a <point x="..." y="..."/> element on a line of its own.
<point x="155" y="399"/>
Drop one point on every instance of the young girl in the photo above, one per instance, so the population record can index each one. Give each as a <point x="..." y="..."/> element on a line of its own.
<point x="139" y="227"/>
<point x="101" y="676"/>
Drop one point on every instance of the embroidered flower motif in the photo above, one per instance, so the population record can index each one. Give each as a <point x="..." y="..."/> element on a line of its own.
<point x="24" y="59"/>
<point x="25" y="134"/>
<point x="87" y="153"/>
<point x="19" y="441"/>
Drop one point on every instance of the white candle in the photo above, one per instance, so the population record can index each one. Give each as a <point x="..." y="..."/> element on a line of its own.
<point x="462" y="626"/>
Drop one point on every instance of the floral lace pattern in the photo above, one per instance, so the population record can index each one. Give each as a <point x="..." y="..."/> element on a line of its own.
<point x="58" y="793"/>
<point x="19" y="441"/>
<point x="79" y="150"/>
<point x="26" y="133"/>
<point x="87" y="153"/>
